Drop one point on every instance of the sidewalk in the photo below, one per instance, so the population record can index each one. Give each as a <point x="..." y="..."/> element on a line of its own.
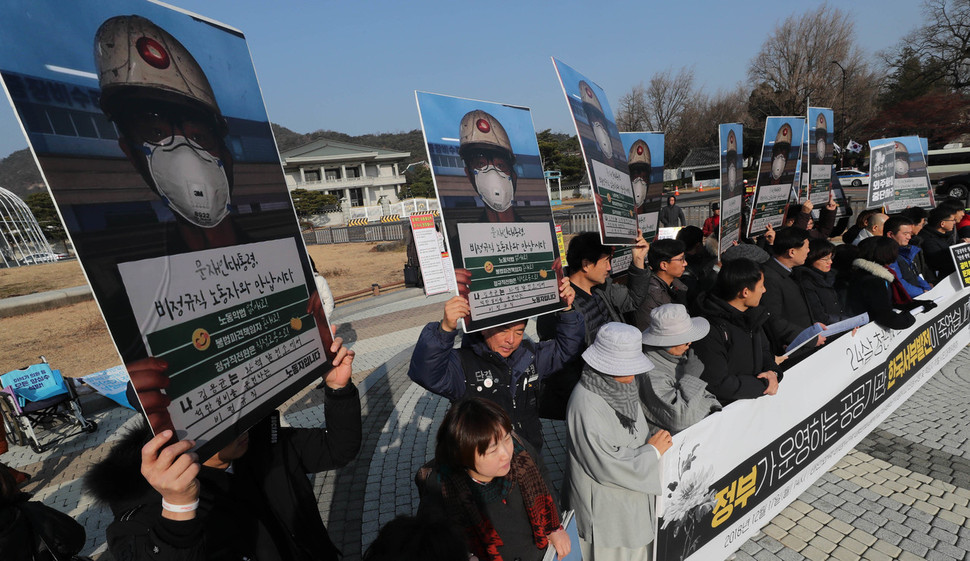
<point x="903" y="493"/>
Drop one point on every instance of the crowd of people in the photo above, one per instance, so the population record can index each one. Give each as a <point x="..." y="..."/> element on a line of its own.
<point x="624" y="365"/>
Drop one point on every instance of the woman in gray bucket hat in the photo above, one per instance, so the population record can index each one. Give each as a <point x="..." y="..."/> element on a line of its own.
<point x="673" y="395"/>
<point x="613" y="475"/>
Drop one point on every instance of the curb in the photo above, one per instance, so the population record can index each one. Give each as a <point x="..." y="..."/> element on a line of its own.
<point x="29" y="303"/>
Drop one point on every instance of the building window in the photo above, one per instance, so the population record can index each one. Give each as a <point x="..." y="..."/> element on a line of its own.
<point x="357" y="197"/>
<point x="353" y="172"/>
<point x="311" y="175"/>
<point x="332" y="174"/>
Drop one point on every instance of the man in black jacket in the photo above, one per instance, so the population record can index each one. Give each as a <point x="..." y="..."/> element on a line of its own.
<point x="738" y="363"/>
<point x="251" y="500"/>
<point x="785" y="302"/>
<point x="937" y="237"/>
<point x="672" y="215"/>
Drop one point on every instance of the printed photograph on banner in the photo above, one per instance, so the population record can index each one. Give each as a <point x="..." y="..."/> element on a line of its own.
<point x="821" y="140"/>
<point x="645" y="156"/>
<point x="911" y="184"/>
<point x="425" y="235"/>
<point x="882" y="173"/>
<point x="723" y="482"/>
<point x="732" y="186"/>
<point x="150" y="130"/>
<point x="778" y="171"/>
<point x="604" y="154"/>
<point x="498" y="221"/>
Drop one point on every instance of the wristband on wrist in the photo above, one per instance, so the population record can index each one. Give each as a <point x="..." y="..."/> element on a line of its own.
<point x="180" y="508"/>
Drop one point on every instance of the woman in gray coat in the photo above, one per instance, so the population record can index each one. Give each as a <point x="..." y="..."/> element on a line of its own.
<point x="673" y="395"/>
<point x="614" y="464"/>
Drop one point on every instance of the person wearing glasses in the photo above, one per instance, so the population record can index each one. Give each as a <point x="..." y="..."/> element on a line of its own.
<point x="668" y="261"/>
<point x="937" y="237"/>
<point x="673" y="394"/>
<point x="817" y="281"/>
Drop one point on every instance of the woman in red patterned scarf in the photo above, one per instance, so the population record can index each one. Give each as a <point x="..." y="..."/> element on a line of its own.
<point x="492" y="484"/>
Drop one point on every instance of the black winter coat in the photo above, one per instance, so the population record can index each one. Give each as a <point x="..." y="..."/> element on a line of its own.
<point x="936" y="250"/>
<point x="33" y="530"/>
<point x="785" y="301"/>
<point x="870" y="291"/>
<point x="265" y="509"/>
<point x="734" y="351"/>
<point x="820" y="294"/>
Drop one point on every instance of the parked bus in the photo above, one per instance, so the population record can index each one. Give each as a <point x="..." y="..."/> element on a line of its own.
<point x="949" y="170"/>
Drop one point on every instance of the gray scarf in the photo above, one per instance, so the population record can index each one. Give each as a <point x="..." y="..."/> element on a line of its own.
<point x="624" y="399"/>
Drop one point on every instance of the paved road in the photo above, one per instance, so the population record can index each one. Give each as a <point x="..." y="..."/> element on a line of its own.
<point x="903" y="493"/>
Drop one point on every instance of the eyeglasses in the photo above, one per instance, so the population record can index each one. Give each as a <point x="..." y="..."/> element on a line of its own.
<point x="681" y="258"/>
<point x="159" y="128"/>
<point x="826" y="258"/>
<point x="481" y="160"/>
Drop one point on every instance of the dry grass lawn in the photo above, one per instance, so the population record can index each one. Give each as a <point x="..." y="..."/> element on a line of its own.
<point x="75" y="340"/>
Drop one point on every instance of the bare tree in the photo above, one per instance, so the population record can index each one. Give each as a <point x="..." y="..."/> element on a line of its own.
<point x="631" y="115"/>
<point x="942" y="45"/>
<point x="795" y="66"/>
<point x="667" y="98"/>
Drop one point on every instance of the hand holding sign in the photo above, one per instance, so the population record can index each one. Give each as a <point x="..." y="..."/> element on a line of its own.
<point x="343" y="364"/>
<point x="149" y="377"/>
<point x="171" y="470"/>
<point x="455" y="309"/>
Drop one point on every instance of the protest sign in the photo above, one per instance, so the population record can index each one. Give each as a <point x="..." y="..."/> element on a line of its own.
<point x="730" y="474"/>
<point x="150" y="131"/>
<point x="821" y="139"/>
<point x="429" y="253"/>
<point x="778" y="171"/>
<point x="494" y="205"/>
<point x="604" y="155"/>
<point x="882" y="173"/>
<point x="911" y="184"/>
<point x="645" y="155"/>
<point x="732" y="189"/>
<point x="111" y="383"/>
<point x="961" y="259"/>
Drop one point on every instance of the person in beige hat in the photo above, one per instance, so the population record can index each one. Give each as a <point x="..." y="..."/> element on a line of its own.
<point x="673" y="395"/>
<point x="613" y="474"/>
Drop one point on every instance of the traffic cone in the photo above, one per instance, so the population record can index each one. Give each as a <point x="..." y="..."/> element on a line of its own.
<point x="676" y="190"/>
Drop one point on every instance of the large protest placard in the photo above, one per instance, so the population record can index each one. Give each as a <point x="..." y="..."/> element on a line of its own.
<point x="882" y="174"/>
<point x="911" y="184"/>
<point x="732" y="189"/>
<point x="605" y="157"/>
<point x="778" y="171"/>
<point x="820" y="143"/>
<point x="494" y="204"/>
<point x="645" y="155"/>
<point x="730" y="474"/>
<point x="150" y="131"/>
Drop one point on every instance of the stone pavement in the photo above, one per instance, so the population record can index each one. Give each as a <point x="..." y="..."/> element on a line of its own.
<point x="902" y="493"/>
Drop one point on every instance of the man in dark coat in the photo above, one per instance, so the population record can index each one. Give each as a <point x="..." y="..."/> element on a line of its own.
<point x="600" y="300"/>
<point x="496" y="363"/>
<point x="738" y="363"/>
<point x="672" y="215"/>
<point x="251" y="500"/>
<point x="937" y="237"/>
<point x="785" y="302"/>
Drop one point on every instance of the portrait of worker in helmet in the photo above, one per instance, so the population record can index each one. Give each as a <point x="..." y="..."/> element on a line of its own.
<point x="489" y="163"/>
<point x="171" y="128"/>
<point x="495" y="207"/>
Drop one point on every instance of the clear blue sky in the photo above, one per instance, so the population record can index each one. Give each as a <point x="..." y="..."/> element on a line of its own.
<point x="353" y="66"/>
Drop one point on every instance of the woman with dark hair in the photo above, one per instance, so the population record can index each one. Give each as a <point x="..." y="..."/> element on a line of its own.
<point x="817" y="281"/>
<point x="874" y="288"/>
<point x="492" y="485"/>
<point x="33" y="530"/>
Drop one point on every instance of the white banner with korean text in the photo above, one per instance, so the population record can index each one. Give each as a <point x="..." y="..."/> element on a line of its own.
<point x="729" y="475"/>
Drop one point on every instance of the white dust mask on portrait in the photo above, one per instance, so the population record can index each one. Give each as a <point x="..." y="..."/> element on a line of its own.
<point x="192" y="181"/>
<point x="495" y="188"/>
<point x="639" y="190"/>
<point x="778" y="166"/>
<point x="902" y="165"/>
<point x="603" y="139"/>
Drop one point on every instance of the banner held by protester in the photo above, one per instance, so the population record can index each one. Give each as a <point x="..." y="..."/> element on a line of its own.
<point x="780" y="158"/>
<point x="821" y="139"/>
<point x="882" y="173"/>
<point x="494" y="205"/>
<point x="645" y="151"/>
<point x="159" y="156"/>
<point x="730" y="474"/>
<point x="606" y="161"/>
<point x="732" y="187"/>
